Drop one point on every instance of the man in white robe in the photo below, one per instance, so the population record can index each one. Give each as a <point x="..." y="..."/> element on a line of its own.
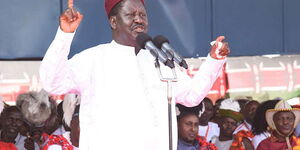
<point x="123" y="102"/>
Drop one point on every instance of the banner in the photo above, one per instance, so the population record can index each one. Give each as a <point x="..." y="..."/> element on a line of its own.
<point x="260" y="78"/>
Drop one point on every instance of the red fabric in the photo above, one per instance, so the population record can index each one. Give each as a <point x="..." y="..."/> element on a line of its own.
<point x="109" y="4"/>
<point x="272" y="143"/>
<point x="7" y="146"/>
<point x="204" y="144"/>
<point x="237" y="143"/>
<point x="57" y="140"/>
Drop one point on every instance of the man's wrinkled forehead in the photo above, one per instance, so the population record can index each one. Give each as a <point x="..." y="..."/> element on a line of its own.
<point x="109" y="4"/>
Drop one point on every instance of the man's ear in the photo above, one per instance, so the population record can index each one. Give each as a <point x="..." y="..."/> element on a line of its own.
<point x="113" y="22"/>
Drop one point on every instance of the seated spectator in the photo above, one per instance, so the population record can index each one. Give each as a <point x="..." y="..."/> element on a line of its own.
<point x="11" y="120"/>
<point x="248" y="114"/>
<point x="188" y="122"/>
<point x="259" y="128"/>
<point x="53" y="134"/>
<point x="282" y="120"/>
<point x="35" y="106"/>
<point x="68" y="140"/>
<point x="63" y="141"/>
<point x="230" y="116"/>
<point x="208" y="129"/>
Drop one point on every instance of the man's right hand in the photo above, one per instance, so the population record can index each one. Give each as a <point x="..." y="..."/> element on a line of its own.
<point x="70" y="19"/>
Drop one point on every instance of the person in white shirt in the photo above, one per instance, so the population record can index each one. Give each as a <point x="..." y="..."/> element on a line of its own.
<point x="207" y="128"/>
<point x="121" y="80"/>
<point x="248" y="112"/>
<point x="230" y="116"/>
<point x="70" y="138"/>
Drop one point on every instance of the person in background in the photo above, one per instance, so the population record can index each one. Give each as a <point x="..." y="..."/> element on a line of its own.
<point x="52" y="136"/>
<point x="208" y="129"/>
<point x="230" y="117"/>
<point x="12" y="120"/>
<point x="37" y="109"/>
<point x="188" y="123"/>
<point x="260" y="126"/>
<point x="282" y="121"/>
<point x="242" y="102"/>
<point x="71" y="107"/>
<point x="248" y="114"/>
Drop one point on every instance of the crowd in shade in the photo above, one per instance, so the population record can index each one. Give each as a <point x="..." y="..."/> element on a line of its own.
<point x="37" y="122"/>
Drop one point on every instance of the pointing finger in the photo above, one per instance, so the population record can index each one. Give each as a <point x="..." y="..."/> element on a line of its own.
<point x="70" y="3"/>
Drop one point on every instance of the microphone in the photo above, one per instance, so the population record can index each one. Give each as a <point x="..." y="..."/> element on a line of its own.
<point x="163" y="43"/>
<point x="145" y="42"/>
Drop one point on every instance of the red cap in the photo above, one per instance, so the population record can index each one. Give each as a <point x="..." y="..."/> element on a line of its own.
<point x="109" y="4"/>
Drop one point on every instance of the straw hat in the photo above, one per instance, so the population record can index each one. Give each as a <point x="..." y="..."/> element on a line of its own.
<point x="281" y="106"/>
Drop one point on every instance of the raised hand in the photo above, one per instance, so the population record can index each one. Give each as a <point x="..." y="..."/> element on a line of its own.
<point x="70" y="19"/>
<point x="219" y="49"/>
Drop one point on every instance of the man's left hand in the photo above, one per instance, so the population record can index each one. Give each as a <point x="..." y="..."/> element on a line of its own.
<point x="219" y="49"/>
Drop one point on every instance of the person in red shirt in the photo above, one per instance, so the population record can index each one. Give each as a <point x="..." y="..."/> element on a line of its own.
<point x="282" y="120"/>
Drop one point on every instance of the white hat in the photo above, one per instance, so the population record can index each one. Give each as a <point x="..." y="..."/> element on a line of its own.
<point x="230" y="104"/>
<point x="230" y="108"/>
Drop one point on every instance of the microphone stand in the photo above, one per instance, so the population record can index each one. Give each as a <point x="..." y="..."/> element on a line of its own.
<point x="169" y="97"/>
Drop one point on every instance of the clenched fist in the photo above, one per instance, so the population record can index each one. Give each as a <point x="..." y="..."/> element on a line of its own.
<point x="219" y="49"/>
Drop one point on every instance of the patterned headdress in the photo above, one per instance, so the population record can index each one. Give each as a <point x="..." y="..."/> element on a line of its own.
<point x="230" y="108"/>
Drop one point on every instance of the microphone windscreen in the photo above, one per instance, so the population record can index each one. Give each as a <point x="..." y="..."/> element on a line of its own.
<point x="142" y="38"/>
<point x="159" y="40"/>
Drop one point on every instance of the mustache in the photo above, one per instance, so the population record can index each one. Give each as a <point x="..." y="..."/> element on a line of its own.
<point x="138" y="26"/>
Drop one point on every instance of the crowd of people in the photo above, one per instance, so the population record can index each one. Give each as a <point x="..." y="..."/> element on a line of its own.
<point x="38" y="122"/>
<point x="238" y="124"/>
